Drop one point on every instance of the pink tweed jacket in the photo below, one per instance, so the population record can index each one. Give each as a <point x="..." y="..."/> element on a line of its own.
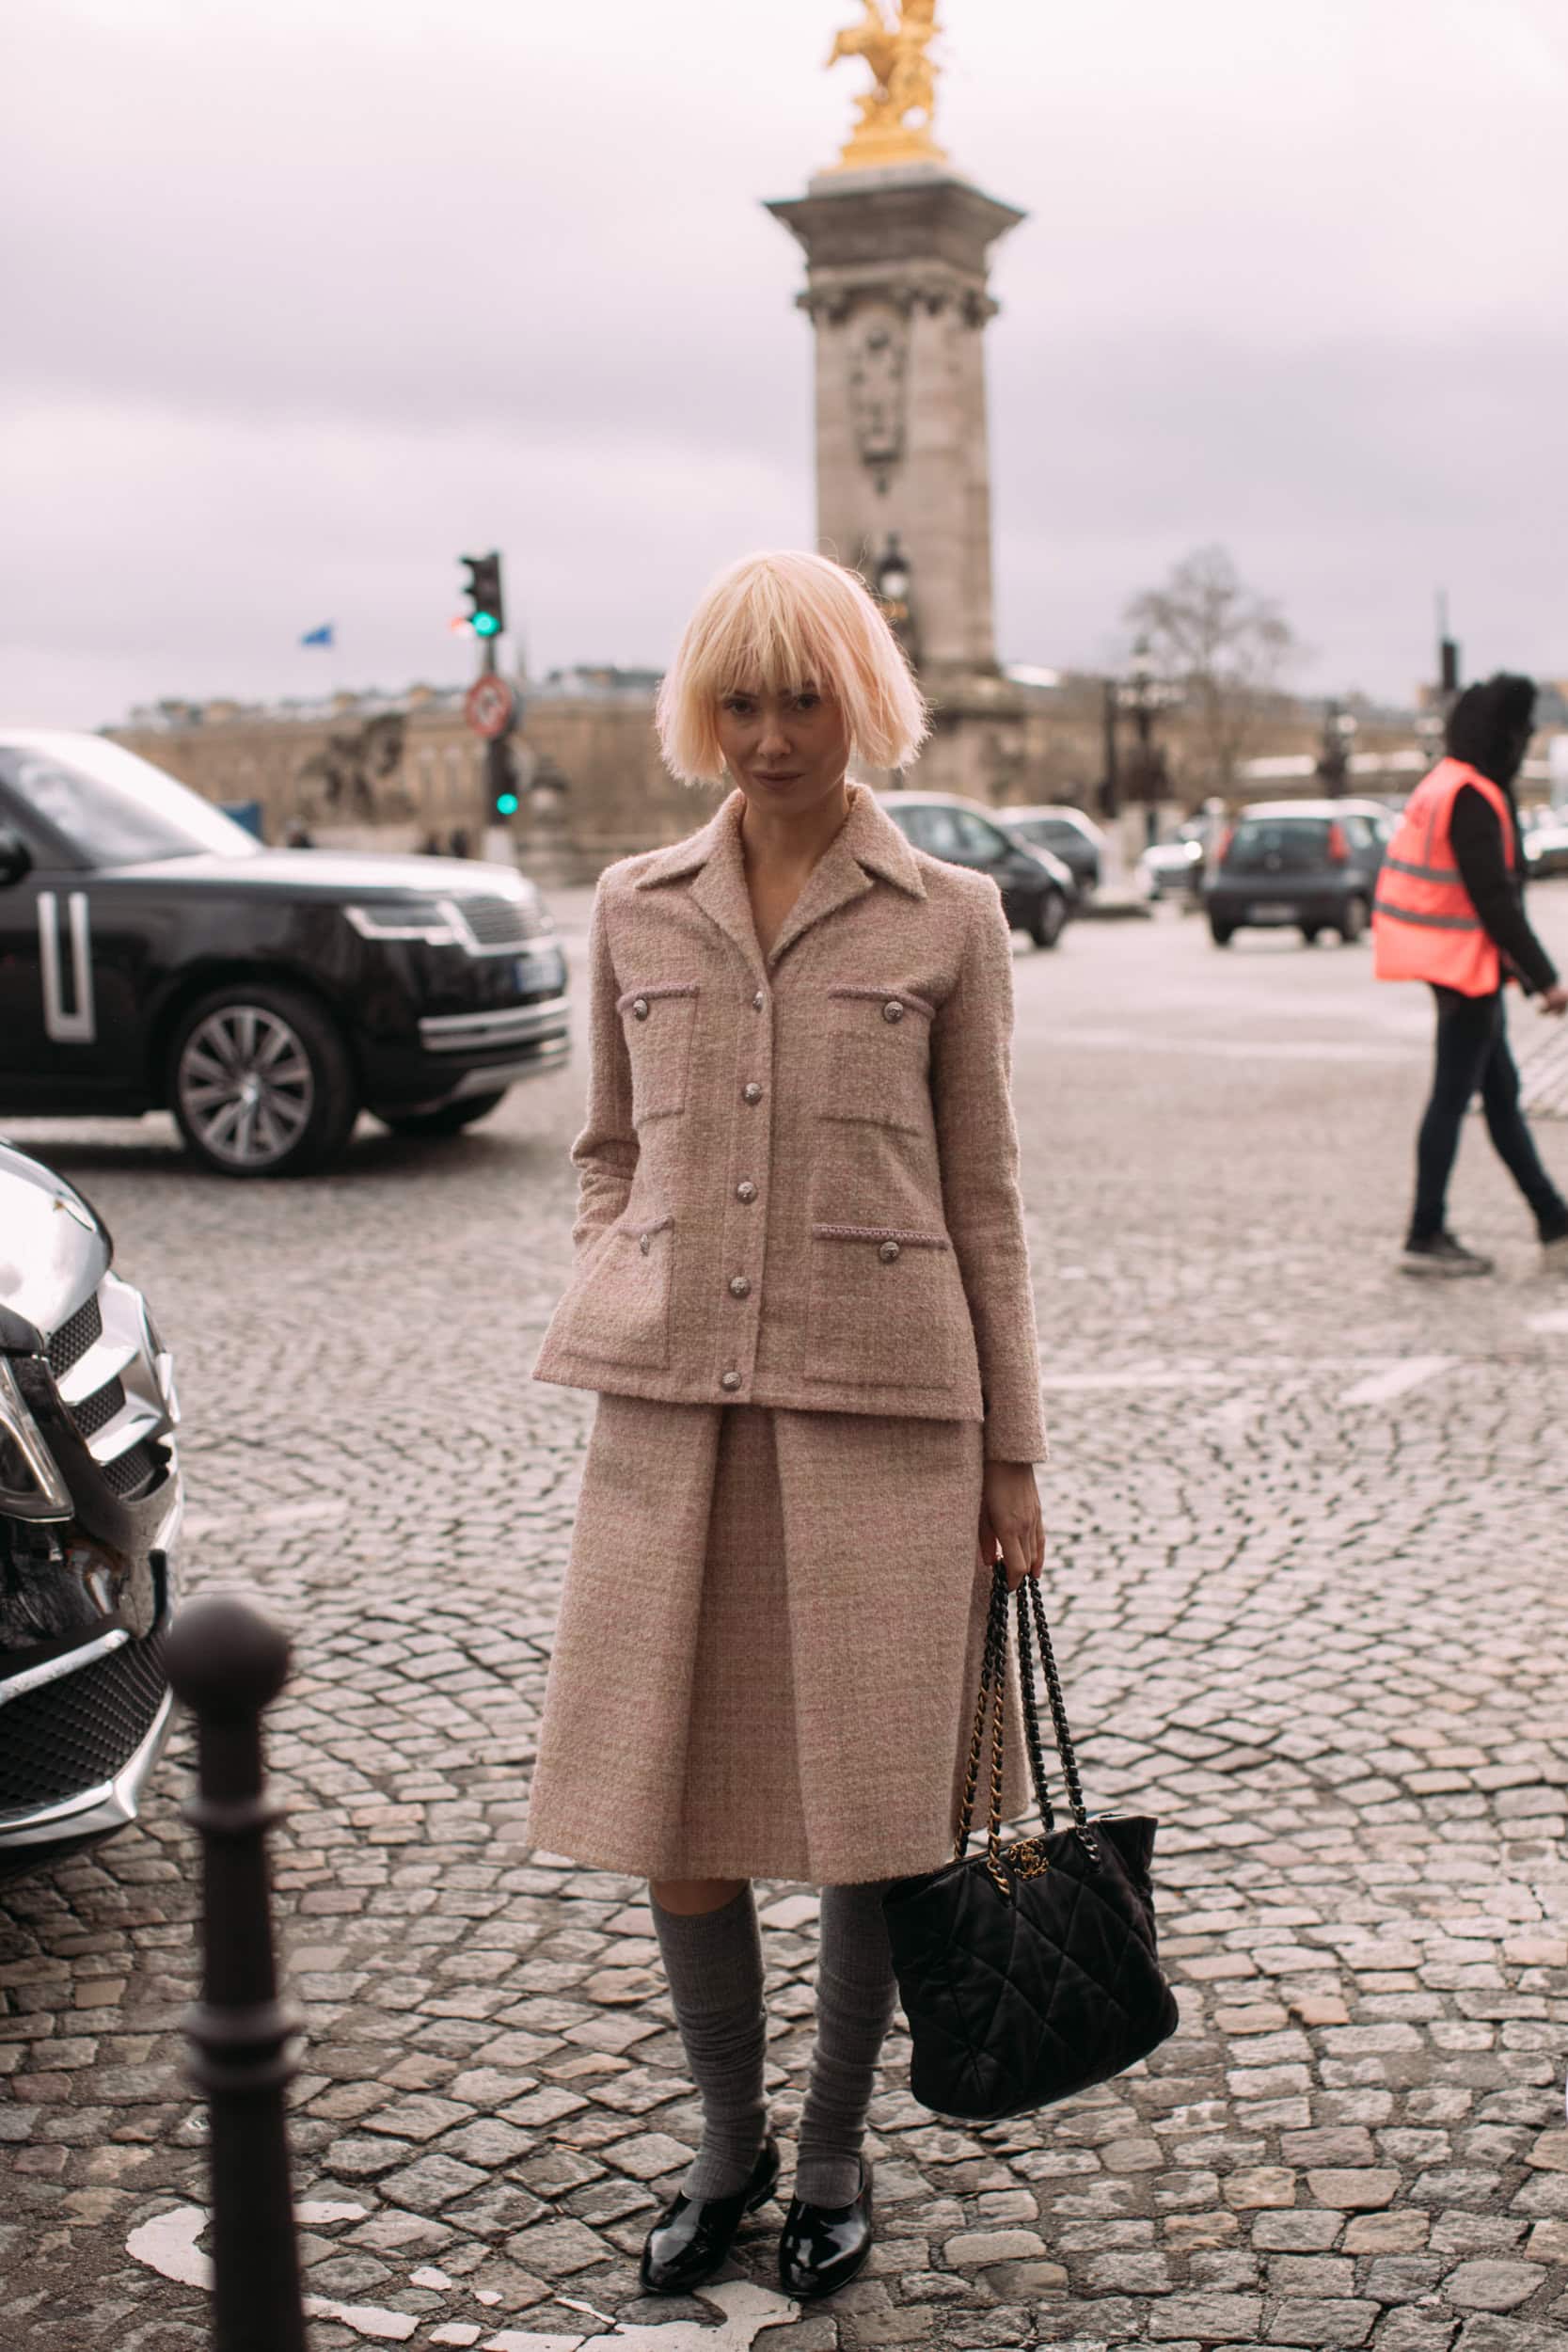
<point x="799" y="1175"/>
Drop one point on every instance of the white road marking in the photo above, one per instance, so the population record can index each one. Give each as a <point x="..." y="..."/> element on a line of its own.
<point x="1147" y="1379"/>
<point x="366" y="2319"/>
<point x="748" y="2311"/>
<point x="1556" y="1321"/>
<point x="167" y="2244"/>
<point x="1380" y="1388"/>
<point x="171" y="2245"/>
<point x="1229" y="1049"/>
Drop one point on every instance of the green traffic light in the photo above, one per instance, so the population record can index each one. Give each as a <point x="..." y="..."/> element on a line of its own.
<point x="506" y="804"/>
<point x="486" y="625"/>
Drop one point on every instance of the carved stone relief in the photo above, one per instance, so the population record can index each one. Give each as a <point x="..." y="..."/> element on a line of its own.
<point x="879" y="364"/>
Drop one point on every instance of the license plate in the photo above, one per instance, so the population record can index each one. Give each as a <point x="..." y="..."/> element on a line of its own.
<point x="1271" y="911"/>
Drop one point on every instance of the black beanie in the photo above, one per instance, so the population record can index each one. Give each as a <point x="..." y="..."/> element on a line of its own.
<point x="1490" y="726"/>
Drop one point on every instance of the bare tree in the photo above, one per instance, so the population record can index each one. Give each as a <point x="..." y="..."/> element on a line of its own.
<point x="1226" y="647"/>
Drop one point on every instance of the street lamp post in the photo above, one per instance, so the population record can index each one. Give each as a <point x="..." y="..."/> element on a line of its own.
<point x="893" y="585"/>
<point x="895" y="580"/>
<point x="1340" y="726"/>
<point x="1430" y="727"/>
<point x="1144" y="693"/>
<point x="1110" y="790"/>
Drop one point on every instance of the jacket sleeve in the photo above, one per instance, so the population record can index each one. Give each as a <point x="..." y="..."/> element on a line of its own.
<point x="604" y="1153"/>
<point x="1493" y="889"/>
<point x="977" y="1141"/>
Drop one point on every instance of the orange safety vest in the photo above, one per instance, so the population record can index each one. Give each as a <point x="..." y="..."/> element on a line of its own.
<point x="1424" y="926"/>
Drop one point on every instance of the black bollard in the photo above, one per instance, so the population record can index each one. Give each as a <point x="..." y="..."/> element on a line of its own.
<point x="227" y="1664"/>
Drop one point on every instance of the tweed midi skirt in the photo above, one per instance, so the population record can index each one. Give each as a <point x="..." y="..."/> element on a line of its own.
<point x="769" y="1648"/>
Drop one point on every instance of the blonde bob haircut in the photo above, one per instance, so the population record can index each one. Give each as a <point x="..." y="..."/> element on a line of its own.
<point x="777" y="623"/>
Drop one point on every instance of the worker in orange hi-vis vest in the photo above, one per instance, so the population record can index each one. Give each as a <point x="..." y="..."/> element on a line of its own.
<point x="1451" y="911"/>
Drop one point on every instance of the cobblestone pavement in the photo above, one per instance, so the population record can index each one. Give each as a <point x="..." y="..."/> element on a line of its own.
<point x="1308" y="1564"/>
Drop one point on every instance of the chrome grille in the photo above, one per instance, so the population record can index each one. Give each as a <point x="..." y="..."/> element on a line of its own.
<point x="501" y="922"/>
<point x="69" y="1735"/>
<point x="75" y="1337"/>
<point x="132" y="1474"/>
<point x="96" y="1411"/>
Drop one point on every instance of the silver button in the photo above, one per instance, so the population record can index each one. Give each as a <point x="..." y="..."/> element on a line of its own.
<point x="740" y="1285"/>
<point x="729" y="1379"/>
<point x="646" y="1243"/>
<point x="640" y="1008"/>
<point x="751" y="1091"/>
<point x="758" y="1001"/>
<point x="746" y="1190"/>
<point x="888" y="1251"/>
<point x="893" y="1009"/>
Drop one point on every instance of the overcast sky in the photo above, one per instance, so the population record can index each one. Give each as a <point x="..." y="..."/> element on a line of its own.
<point x="301" y="299"/>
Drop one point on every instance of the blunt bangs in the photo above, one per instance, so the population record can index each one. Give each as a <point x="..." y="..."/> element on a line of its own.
<point x="777" y="623"/>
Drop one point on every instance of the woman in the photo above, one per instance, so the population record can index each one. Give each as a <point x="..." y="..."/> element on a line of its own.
<point x="802" y="1291"/>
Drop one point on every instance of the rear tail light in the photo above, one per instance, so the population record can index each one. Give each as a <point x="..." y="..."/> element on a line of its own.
<point x="1338" y="848"/>
<point x="1226" y="837"/>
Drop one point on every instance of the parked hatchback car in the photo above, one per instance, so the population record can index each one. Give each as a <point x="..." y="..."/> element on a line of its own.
<point x="1174" y="868"/>
<point x="89" y="1509"/>
<point x="1068" y="834"/>
<point x="1037" y="890"/>
<point x="153" y="955"/>
<point x="1310" y="864"/>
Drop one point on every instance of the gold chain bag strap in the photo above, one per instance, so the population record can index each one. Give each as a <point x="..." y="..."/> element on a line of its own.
<point x="1029" y="1971"/>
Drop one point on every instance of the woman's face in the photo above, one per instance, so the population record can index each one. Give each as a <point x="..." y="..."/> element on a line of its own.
<point x="787" y="751"/>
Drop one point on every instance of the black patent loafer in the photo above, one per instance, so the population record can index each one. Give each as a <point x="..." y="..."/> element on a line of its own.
<point x="823" y="2247"/>
<point x="692" y="2236"/>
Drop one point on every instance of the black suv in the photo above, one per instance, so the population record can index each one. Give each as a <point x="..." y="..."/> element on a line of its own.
<point x="155" y="956"/>
<point x="1038" y="892"/>
<point x="1310" y="864"/>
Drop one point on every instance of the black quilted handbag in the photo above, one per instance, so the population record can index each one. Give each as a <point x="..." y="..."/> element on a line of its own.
<point x="1028" y="1972"/>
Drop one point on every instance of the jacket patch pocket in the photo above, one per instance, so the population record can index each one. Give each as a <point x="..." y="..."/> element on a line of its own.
<point x="882" y="1306"/>
<point x="659" y="1021"/>
<point x="621" y="1312"/>
<point x="880" y="1051"/>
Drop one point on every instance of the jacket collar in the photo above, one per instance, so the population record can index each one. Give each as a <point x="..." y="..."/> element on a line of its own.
<point x="869" y="836"/>
<point x="867" y="844"/>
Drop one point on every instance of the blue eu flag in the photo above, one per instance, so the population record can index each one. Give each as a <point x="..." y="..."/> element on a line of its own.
<point x="322" y="636"/>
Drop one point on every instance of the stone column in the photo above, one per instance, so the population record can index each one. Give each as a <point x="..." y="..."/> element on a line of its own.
<point x="897" y="265"/>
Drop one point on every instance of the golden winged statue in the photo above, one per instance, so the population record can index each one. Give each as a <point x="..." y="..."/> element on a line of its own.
<point x="896" y="114"/>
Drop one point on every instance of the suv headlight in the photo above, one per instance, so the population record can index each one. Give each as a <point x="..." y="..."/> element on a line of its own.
<point x="427" y="920"/>
<point x="31" y="1486"/>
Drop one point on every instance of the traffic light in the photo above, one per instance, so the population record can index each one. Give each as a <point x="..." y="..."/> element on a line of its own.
<point x="486" y="611"/>
<point x="502" y="782"/>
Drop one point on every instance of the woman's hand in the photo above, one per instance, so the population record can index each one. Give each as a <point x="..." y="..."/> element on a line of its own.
<point x="1011" y="1522"/>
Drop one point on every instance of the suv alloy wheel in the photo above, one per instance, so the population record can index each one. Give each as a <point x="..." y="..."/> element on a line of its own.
<point x="260" y="1082"/>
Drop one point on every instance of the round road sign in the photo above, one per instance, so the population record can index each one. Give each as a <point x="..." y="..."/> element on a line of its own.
<point x="488" y="707"/>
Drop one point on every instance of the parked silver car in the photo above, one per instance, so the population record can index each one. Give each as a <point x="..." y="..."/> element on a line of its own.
<point x="1545" y="842"/>
<point x="90" y="1501"/>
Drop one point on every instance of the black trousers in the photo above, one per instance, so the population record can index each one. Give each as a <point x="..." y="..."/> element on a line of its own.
<point x="1473" y="1055"/>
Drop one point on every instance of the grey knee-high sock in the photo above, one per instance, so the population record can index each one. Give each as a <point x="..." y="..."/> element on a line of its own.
<point x="856" y="1994"/>
<point x="713" y="1960"/>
